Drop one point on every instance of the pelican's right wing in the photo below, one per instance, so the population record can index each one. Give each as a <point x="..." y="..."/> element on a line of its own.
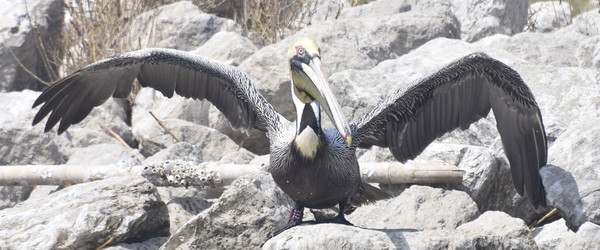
<point x="454" y="97"/>
<point x="169" y="71"/>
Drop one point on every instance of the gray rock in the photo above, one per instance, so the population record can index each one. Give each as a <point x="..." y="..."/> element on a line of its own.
<point x="562" y="193"/>
<point x="540" y="48"/>
<point x="549" y="16"/>
<point x="183" y="204"/>
<point x="153" y="243"/>
<point x="178" y="107"/>
<point x="329" y="10"/>
<point x="180" y="25"/>
<point x="21" y="143"/>
<point x="497" y="231"/>
<point x="551" y="235"/>
<point x="483" y="18"/>
<point x="588" y="53"/>
<point x="487" y="178"/>
<point x="477" y="19"/>
<point x="10" y="196"/>
<point x="587" y="23"/>
<point x="576" y="151"/>
<point x="199" y="143"/>
<point x="101" y="154"/>
<point x="226" y="46"/>
<point x="246" y="215"/>
<point x="556" y="235"/>
<point x="389" y="7"/>
<point x="20" y="37"/>
<point x="86" y="215"/>
<point x="492" y="230"/>
<point x="418" y="207"/>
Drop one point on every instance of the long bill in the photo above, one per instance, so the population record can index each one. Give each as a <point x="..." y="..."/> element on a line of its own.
<point x="321" y="91"/>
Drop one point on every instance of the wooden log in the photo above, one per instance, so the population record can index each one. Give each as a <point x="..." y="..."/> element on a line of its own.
<point x="183" y="173"/>
<point x="411" y="173"/>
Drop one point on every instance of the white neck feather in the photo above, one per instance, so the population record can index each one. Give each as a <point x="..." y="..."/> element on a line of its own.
<point x="307" y="143"/>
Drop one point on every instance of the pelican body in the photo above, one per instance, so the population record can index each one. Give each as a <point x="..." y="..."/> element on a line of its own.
<point x="315" y="167"/>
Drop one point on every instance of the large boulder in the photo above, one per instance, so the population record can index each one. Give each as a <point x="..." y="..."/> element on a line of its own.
<point x="477" y="19"/>
<point x="418" y="207"/>
<point x="576" y="151"/>
<point x="588" y="53"/>
<point x="556" y="235"/>
<point x="549" y="16"/>
<point x="247" y="214"/>
<point x="492" y="230"/>
<point x="23" y="143"/>
<point x="23" y="26"/>
<point x="587" y="23"/>
<point x="180" y="25"/>
<point x="482" y="18"/>
<point x="541" y="48"/>
<point x="86" y="216"/>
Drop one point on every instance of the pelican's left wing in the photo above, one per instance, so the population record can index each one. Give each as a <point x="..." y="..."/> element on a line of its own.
<point x="169" y="71"/>
<point x="456" y="96"/>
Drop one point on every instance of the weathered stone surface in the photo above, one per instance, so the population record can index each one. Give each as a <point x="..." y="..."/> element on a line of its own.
<point x="247" y="214"/>
<point x="418" y="207"/>
<point x="86" y="215"/>
<point x="562" y="193"/>
<point x="556" y="235"/>
<point x="549" y="16"/>
<point x="20" y="38"/>
<point x="101" y="154"/>
<point x="153" y="243"/>
<point x="21" y="143"/>
<point x="10" y="196"/>
<point x="539" y="48"/>
<point x="198" y="142"/>
<point x="588" y="53"/>
<point x="492" y="230"/>
<point x="587" y="23"/>
<point x="576" y="151"/>
<point x="477" y="19"/>
<point x="177" y="107"/>
<point x="226" y="46"/>
<point x="180" y="25"/>
<point x="184" y="204"/>
<point x="483" y="18"/>
<point x="487" y="178"/>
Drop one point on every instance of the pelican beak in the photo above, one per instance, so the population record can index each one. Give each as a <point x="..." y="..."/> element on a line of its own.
<point x="317" y="86"/>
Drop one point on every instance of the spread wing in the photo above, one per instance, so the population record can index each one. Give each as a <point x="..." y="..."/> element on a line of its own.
<point x="456" y="96"/>
<point x="72" y="98"/>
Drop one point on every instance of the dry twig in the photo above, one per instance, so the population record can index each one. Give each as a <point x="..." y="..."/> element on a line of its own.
<point x="116" y="136"/>
<point x="164" y="127"/>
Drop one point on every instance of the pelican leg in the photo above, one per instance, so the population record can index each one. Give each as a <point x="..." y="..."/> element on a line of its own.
<point x="295" y="219"/>
<point x="340" y="219"/>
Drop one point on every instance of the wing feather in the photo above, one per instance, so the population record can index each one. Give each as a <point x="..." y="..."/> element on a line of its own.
<point x="458" y="95"/>
<point x="72" y="98"/>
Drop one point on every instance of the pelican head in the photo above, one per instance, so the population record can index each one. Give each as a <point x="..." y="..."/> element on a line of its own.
<point x="310" y="88"/>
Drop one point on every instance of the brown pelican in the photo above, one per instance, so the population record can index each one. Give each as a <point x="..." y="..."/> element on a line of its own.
<point x="317" y="167"/>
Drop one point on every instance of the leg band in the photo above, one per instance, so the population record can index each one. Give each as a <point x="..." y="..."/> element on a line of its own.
<point x="296" y="214"/>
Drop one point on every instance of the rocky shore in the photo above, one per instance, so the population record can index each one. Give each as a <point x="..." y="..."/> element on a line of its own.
<point x="368" y="52"/>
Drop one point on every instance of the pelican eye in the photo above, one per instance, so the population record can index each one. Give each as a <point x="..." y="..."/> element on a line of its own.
<point x="300" y="51"/>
